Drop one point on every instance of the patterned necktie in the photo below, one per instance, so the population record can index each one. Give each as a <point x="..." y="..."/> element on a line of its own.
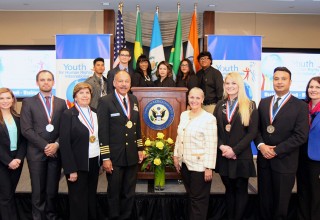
<point x="125" y="103"/>
<point x="103" y="91"/>
<point x="275" y="106"/>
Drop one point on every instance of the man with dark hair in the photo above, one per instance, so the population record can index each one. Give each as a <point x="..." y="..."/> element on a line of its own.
<point x="120" y="145"/>
<point x="124" y="58"/>
<point x="283" y="129"/>
<point x="97" y="81"/>
<point x="40" y="122"/>
<point x="210" y="81"/>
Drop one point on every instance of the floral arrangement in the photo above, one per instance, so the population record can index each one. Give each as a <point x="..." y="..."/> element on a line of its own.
<point x="158" y="153"/>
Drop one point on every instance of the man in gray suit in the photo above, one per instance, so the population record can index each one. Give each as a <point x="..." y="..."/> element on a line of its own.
<point x="97" y="81"/>
<point x="40" y="120"/>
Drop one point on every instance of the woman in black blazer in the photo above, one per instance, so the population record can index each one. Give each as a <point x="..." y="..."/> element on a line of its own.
<point x="164" y="75"/>
<point x="12" y="153"/>
<point x="237" y="122"/>
<point x="186" y="76"/>
<point x="142" y="75"/>
<point x="80" y="153"/>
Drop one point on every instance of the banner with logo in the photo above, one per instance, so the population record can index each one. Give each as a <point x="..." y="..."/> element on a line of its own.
<point x="74" y="60"/>
<point x="239" y="54"/>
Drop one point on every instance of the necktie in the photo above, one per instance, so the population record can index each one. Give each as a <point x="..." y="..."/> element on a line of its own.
<point x="103" y="91"/>
<point x="125" y="103"/>
<point x="47" y="102"/>
<point x="275" y="106"/>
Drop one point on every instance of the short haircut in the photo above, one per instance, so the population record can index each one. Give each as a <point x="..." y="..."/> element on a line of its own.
<point x="282" y="68"/>
<point x="44" y="71"/>
<point x="79" y="86"/>
<point x="204" y="54"/>
<point x="124" y="49"/>
<point x="99" y="59"/>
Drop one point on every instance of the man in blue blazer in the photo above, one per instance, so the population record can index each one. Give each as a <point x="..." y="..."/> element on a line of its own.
<point x="40" y="122"/>
<point x="283" y="129"/>
<point x="120" y="145"/>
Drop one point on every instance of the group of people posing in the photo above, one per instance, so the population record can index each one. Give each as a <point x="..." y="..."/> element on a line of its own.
<point x="215" y="133"/>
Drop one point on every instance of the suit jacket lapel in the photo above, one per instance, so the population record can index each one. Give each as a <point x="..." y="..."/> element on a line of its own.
<point x="41" y="107"/>
<point x="316" y="120"/>
<point x="284" y="108"/>
<point x="118" y="106"/>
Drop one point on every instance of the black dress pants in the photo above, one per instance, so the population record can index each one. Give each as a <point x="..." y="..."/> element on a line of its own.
<point x="82" y="193"/>
<point x="198" y="193"/>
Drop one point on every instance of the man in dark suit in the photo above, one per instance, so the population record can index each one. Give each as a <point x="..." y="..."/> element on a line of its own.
<point x="283" y="129"/>
<point x="40" y="120"/>
<point x="124" y="58"/>
<point x="98" y="82"/>
<point x="120" y="145"/>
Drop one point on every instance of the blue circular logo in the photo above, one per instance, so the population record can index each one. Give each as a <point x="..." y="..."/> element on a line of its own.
<point x="158" y="114"/>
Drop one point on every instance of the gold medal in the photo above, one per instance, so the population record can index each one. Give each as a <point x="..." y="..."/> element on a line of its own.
<point x="92" y="139"/>
<point x="129" y="124"/>
<point x="270" y="129"/>
<point x="228" y="127"/>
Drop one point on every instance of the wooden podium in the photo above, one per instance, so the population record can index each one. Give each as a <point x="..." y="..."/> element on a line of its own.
<point x="176" y="97"/>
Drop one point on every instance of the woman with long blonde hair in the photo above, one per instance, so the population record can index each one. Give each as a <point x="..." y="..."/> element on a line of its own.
<point x="237" y="122"/>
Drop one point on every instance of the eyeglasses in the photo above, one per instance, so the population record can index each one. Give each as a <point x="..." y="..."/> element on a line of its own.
<point x="204" y="58"/>
<point x="184" y="65"/>
<point x="125" y="55"/>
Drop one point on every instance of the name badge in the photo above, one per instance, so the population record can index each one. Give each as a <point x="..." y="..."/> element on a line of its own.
<point x="115" y="114"/>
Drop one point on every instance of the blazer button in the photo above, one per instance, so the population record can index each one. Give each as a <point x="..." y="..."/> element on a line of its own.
<point x="135" y="141"/>
<point x="127" y="143"/>
<point x="134" y="123"/>
<point x="126" y="134"/>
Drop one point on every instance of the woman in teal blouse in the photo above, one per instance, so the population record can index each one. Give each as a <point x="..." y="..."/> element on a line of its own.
<point x="12" y="153"/>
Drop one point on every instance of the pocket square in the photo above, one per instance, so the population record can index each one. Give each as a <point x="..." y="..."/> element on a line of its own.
<point x="114" y="114"/>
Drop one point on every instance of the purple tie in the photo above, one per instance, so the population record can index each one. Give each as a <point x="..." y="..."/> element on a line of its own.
<point x="48" y="102"/>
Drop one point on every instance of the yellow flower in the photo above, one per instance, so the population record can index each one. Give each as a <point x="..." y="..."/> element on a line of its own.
<point x="160" y="135"/>
<point x="170" y="141"/>
<point x="147" y="142"/>
<point x="159" y="145"/>
<point x="157" y="161"/>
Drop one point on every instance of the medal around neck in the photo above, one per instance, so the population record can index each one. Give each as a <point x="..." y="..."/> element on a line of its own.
<point x="228" y="127"/>
<point x="129" y="124"/>
<point x="49" y="128"/>
<point x="270" y="129"/>
<point x="92" y="139"/>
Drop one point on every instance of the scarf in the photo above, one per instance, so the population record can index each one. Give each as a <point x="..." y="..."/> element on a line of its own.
<point x="313" y="111"/>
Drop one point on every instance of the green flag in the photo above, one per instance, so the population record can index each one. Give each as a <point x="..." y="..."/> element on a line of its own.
<point x="176" y="51"/>
<point x="138" y="41"/>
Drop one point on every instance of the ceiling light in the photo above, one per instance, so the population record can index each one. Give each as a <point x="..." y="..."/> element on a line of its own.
<point x="105" y="3"/>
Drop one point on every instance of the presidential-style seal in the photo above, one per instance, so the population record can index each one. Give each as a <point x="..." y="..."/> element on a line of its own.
<point x="158" y="114"/>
